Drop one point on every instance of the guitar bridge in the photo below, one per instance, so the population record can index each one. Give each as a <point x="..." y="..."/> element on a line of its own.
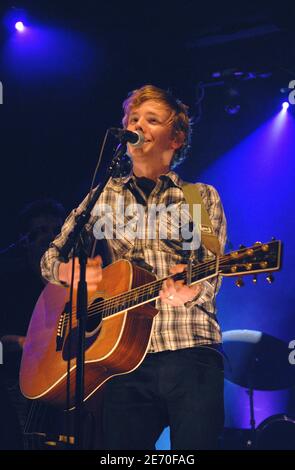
<point x="61" y="327"/>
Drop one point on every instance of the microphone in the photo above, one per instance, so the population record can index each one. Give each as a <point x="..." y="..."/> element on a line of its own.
<point x="136" y="139"/>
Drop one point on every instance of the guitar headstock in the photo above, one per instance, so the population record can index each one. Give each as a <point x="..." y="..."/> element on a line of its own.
<point x="258" y="258"/>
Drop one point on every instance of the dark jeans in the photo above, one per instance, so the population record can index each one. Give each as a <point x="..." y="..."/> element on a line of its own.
<point x="182" y="389"/>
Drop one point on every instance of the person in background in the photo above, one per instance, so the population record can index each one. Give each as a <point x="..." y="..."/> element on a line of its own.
<point x="21" y="284"/>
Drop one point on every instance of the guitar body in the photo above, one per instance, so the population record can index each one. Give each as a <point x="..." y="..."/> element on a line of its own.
<point x="114" y="345"/>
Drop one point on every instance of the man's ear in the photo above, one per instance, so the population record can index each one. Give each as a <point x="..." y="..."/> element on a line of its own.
<point x="178" y="140"/>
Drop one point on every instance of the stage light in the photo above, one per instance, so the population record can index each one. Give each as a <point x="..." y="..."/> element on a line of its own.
<point x="19" y="26"/>
<point x="285" y="105"/>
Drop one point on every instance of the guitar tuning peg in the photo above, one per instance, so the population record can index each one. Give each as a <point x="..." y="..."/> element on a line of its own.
<point x="270" y="279"/>
<point x="239" y="282"/>
<point x="254" y="280"/>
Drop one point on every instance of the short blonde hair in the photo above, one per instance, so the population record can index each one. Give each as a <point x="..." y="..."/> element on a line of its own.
<point x="181" y="123"/>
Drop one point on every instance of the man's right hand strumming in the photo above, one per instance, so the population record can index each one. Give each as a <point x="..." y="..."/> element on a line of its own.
<point x="93" y="273"/>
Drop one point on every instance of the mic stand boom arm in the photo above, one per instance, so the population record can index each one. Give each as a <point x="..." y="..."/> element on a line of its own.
<point x="82" y="219"/>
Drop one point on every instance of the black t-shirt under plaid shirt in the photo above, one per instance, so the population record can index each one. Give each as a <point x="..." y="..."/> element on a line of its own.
<point x="174" y="327"/>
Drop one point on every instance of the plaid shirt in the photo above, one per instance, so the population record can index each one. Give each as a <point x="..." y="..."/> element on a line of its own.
<point x="191" y="325"/>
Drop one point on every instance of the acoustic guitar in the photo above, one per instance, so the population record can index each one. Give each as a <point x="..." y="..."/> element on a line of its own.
<point x="119" y="324"/>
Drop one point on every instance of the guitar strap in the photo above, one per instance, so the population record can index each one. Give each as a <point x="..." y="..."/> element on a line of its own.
<point x="192" y="196"/>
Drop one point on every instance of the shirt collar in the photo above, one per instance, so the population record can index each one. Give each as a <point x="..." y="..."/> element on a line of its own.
<point x="117" y="183"/>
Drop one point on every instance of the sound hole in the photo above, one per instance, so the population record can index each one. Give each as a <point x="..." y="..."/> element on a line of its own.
<point x="94" y="316"/>
<point x="93" y="325"/>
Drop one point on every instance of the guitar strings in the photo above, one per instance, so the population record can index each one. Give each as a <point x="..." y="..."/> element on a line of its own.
<point x="108" y="304"/>
<point x="147" y="288"/>
<point x="140" y="291"/>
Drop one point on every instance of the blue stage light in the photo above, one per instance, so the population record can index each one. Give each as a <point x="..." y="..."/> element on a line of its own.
<point x="19" y="26"/>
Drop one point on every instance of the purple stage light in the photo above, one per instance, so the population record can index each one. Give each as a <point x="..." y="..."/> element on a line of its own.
<point x="285" y="105"/>
<point x="19" y="26"/>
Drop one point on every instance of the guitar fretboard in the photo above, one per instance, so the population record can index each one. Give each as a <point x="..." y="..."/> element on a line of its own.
<point x="149" y="292"/>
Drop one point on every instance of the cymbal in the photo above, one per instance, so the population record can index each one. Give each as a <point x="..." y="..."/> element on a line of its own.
<point x="257" y="360"/>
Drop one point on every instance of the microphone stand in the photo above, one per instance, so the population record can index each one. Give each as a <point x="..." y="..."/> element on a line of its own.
<point x="75" y="240"/>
